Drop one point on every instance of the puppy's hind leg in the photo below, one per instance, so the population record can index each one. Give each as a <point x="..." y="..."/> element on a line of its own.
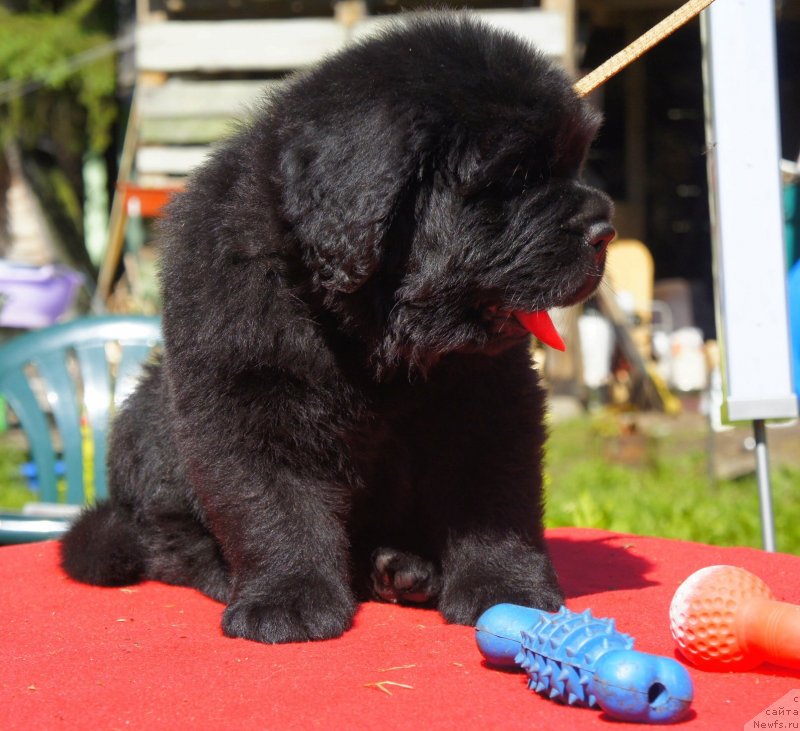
<point x="183" y="552"/>
<point x="404" y="578"/>
<point x="106" y="547"/>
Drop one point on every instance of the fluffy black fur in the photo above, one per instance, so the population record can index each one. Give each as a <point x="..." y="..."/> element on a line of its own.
<point x="345" y="406"/>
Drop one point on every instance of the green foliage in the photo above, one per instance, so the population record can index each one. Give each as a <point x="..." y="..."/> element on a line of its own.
<point x="669" y="494"/>
<point x="41" y="48"/>
<point x="14" y="492"/>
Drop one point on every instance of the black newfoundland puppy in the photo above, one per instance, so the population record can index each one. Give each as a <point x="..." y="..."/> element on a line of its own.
<point x="345" y="406"/>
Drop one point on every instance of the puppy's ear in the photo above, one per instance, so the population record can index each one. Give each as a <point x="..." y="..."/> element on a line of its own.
<point x="341" y="181"/>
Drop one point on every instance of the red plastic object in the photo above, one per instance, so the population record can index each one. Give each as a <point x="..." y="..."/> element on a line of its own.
<point x="151" y="201"/>
<point x="541" y="326"/>
<point x="725" y="618"/>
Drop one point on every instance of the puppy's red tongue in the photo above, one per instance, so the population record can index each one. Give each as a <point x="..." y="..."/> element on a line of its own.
<point x="541" y="326"/>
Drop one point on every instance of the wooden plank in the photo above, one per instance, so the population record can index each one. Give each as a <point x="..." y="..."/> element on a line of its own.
<point x="185" y="131"/>
<point x="545" y="29"/>
<point x="178" y="98"/>
<point x="158" y="180"/>
<point x="227" y="45"/>
<point x="285" y="44"/>
<point x="568" y="11"/>
<point x="170" y="160"/>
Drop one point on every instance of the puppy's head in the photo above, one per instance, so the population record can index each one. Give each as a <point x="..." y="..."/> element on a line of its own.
<point x="432" y="179"/>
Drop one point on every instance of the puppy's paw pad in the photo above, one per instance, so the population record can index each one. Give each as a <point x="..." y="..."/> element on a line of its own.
<point x="307" y="618"/>
<point x="403" y="577"/>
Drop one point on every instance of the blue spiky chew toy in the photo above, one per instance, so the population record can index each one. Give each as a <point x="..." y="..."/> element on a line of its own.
<point x="581" y="660"/>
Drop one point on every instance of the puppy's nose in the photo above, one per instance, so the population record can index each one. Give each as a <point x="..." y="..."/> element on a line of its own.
<point x="600" y="235"/>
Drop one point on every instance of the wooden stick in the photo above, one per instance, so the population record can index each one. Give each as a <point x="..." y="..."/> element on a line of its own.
<point x="119" y="216"/>
<point x="640" y="46"/>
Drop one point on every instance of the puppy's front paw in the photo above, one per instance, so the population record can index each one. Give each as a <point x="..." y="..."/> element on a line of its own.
<point x="403" y="577"/>
<point x="479" y="575"/>
<point x="464" y="604"/>
<point x="308" y="612"/>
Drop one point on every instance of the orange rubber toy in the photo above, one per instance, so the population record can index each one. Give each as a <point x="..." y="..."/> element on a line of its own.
<point x="725" y="618"/>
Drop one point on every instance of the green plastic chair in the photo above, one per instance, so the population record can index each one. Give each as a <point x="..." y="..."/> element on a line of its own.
<point x="85" y="368"/>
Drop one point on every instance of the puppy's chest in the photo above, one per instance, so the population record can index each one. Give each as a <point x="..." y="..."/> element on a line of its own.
<point x="389" y="439"/>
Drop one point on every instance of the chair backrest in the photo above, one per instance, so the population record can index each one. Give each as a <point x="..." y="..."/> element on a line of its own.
<point x="71" y="376"/>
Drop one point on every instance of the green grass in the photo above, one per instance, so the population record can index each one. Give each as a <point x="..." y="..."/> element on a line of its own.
<point x="667" y="493"/>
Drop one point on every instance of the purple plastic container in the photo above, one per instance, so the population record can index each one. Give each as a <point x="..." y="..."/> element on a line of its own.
<point x="32" y="297"/>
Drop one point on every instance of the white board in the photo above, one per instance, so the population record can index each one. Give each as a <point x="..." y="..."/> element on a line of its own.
<point x="236" y="45"/>
<point x="747" y="219"/>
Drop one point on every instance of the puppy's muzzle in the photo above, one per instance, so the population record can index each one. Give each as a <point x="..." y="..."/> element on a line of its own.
<point x="597" y="236"/>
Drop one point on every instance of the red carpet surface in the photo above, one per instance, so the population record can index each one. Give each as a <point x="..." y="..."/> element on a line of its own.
<point x="153" y="656"/>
